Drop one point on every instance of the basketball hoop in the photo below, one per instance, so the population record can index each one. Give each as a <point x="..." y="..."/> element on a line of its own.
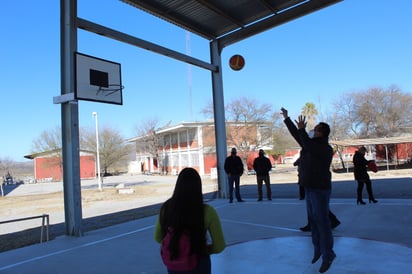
<point x="106" y="91"/>
<point x="98" y="80"/>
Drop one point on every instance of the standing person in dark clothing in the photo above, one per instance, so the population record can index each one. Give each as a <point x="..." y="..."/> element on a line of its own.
<point x="301" y="188"/>
<point x="360" y="172"/>
<point x="316" y="178"/>
<point x="234" y="169"/>
<point x="262" y="166"/>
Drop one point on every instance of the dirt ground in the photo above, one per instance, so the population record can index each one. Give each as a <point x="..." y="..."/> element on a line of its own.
<point x="122" y="198"/>
<point x="94" y="203"/>
<point x="98" y="210"/>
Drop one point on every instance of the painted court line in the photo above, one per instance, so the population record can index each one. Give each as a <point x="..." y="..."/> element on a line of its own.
<point x="260" y="225"/>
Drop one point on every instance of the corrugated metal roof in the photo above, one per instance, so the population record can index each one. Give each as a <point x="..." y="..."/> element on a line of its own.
<point x="229" y="20"/>
<point x="54" y="152"/>
<point x="372" y="141"/>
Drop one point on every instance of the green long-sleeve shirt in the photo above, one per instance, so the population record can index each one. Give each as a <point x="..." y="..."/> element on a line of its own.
<point x="213" y="227"/>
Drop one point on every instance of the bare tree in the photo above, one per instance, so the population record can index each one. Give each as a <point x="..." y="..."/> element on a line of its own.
<point x="50" y="142"/>
<point x="375" y="112"/>
<point x="250" y="124"/>
<point x="114" y="151"/>
<point x="338" y="131"/>
<point x="207" y="111"/>
<point x="6" y="164"/>
<point x="150" y="141"/>
<point x="245" y="117"/>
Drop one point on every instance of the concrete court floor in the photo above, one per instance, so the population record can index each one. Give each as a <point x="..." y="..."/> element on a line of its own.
<point x="262" y="237"/>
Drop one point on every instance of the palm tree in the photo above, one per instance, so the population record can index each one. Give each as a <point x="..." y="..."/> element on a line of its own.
<point x="309" y="110"/>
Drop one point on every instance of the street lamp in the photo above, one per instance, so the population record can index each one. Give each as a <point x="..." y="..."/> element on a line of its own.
<point x="94" y="114"/>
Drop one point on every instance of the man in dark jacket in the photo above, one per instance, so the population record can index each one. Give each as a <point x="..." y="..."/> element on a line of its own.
<point x="234" y="169"/>
<point x="262" y="166"/>
<point x="316" y="178"/>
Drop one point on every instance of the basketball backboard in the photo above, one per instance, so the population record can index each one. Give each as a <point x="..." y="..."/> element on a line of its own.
<point x="98" y="80"/>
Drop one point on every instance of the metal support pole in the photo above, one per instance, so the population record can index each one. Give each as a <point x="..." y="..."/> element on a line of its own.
<point x="387" y="157"/>
<point x="70" y="120"/>
<point x="94" y="114"/>
<point x="219" y="116"/>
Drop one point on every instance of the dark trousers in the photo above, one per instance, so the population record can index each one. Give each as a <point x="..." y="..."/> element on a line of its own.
<point x="260" y="179"/>
<point x="301" y="192"/>
<point x="332" y="217"/>
<point x="368" y="184"/>
<point x="317" y="203"/>
<point x="234" y="180"/>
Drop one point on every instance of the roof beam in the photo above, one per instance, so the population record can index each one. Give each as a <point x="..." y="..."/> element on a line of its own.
<point x="220" y="12"/>
<point x="123" y="37"/>
<point x="170" y="16"/>
<point x="269" y="6"/>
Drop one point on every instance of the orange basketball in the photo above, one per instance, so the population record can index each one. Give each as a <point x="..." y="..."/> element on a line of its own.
<point x="236" y="62"/>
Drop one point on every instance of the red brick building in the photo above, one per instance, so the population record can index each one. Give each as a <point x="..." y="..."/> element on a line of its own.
<point x="48" y="165"/>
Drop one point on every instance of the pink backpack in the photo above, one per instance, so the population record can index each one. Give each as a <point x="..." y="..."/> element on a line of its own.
<point x="186" y="261"/>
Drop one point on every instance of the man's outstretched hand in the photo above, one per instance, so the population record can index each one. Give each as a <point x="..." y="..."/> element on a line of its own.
<point x="301" y="122"/>
<point x="284" y="113"/>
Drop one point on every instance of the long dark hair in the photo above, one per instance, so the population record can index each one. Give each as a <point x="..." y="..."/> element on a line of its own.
<point x="184" y="213"/>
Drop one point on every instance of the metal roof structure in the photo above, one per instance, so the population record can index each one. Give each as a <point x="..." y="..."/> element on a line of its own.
<point x="222" y="22"/>
<point x="372" y="141"/>
<point x="229" y="21"/>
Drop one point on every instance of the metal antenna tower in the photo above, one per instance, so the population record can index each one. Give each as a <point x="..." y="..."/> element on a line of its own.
<point x="189" y="74"/>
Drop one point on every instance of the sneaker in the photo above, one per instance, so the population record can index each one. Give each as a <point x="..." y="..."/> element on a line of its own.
<point x="316" y="257"/>
<point x="326" y="265"/>
<point x="259" y="200"/>
<point x="335" y="224"/>
<point x="305" y="228"/>
<point x="240" y="201"/>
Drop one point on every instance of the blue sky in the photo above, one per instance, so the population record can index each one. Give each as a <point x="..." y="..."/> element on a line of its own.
<point x="350" y="46"/>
